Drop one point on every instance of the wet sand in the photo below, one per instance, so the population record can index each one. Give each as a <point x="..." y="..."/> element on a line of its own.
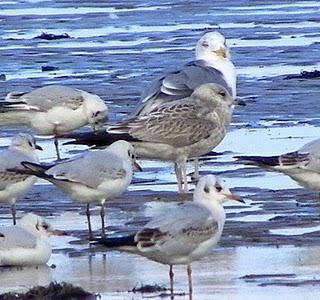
<point x="270" y="246"/>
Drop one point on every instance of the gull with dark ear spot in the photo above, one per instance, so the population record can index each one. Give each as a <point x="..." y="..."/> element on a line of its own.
<point x="91" y="177"/>
<point x="302" y="165"/>
<point x="174" y="131"/>
<point x="53" y="110"/>
<point x="26" y="243"/>
<point x="12" y="184"/>
<point x="184" y="234"/>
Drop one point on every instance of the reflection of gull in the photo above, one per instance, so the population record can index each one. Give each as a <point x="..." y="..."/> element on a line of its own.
<point x="24" y="278"/>
<point x="302" y="165"/>
<point x="184" y="234"/>
<point x="94" y="176"/>
<point x="26" y="243"/>
<point x="212" y="65"/>
<point x="53" y="110"/>
<point x="172" y="131"/>
<point x="12" y="184"/>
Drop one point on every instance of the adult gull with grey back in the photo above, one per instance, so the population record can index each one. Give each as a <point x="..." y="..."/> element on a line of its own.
<point x="184" y="234"/>
<point x="53" y="110"/>
<point x="91" y="177"/>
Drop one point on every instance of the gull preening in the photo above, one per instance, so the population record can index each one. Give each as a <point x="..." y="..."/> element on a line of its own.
<point x="27" y="242"/>
<point x="173" y="131"/>
<point x="92" y="177"/>
<point x="184" y="234"/>
<point x="12" y="184"/>
<point x="53" y="110"/>
<point x="303" y="165"/>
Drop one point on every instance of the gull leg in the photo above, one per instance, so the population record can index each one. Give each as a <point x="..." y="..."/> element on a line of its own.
<point x="89" y="221"/>
<point x="171" y="275"/>
<point x="56" y="145"/>
<point x="196" y="174"/>
<point x="189" y="270"/>
<point x="184" y="176"/>
<point x="13" y="212"/>
<point x="177" y="170"/>
<point x="103" y="229"/>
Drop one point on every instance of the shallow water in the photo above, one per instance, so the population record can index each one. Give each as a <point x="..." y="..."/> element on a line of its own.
<point x="116" y="49"/>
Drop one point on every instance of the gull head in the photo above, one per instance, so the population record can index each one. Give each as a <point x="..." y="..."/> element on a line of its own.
<point x="212" y="45"/>
<point x="211" y="189"/>
<point x="24" y="142"/>
<point x="96" y="110"/>
<point x="126" y="151"/>
<point x="37" y="226"/>
<point x="212" y="95"/>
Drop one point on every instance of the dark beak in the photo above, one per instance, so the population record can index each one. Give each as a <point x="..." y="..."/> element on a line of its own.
<point x="239" y="102"/>
<point x="137" y="167"/>
<point x="38" y="147"/>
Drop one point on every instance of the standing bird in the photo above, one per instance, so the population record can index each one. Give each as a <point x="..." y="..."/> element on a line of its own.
<point x="12" y="184"/>
<point x="212" y="64"/>
<point x="53" y="110"/>
<point x="303" y="165"/>
<point x="26" y="243"/>
<point x="174" y="130"/>
<point x="184" y="234"/>
<point x="94" y="176"/>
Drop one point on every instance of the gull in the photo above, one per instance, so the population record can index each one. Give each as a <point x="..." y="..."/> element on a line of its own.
<point x="184" y="234"/>
<point x="212" y="64"/>
<point x="53" y="110"/>
<point x="303" y="165"/>
<point x="173" y="131"/>
<point x="26" y="243"/>
<point x="92" y="177"/>
<point x="12" y="184"/>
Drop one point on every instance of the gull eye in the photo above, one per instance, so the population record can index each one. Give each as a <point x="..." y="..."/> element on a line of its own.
<point x="45" y="226"/>
<point x="222" y="93"/>
<point x="205" y="44"/>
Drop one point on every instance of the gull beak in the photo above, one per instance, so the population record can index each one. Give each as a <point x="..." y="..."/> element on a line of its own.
<point x="56" y="232"/>
<point x="136" y="167"/>
<point x="234" y="198"/>
<point x="221" y="52"/>
<point x="239" y="102"/>
<point x="38" y="147"/>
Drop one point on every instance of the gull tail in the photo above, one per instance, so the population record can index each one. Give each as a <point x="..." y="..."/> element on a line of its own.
<point x="98" y="139"/>
<point x="14" y="96"/>
<point x="35" y="169"/>
<point x="124" y="243"/>
<point x="267" y="161"/>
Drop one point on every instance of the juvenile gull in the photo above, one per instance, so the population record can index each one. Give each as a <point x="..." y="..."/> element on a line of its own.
<point x="12" y="184"/>
<point x="212" y="64"/>
<point x="184" y="234"/>
<point x="26" y="243"/>
<point x="53" y="110"/>
<point x="175" y="130"/>
<point x="92" y="177"/>
<point x="303" y="165"/>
